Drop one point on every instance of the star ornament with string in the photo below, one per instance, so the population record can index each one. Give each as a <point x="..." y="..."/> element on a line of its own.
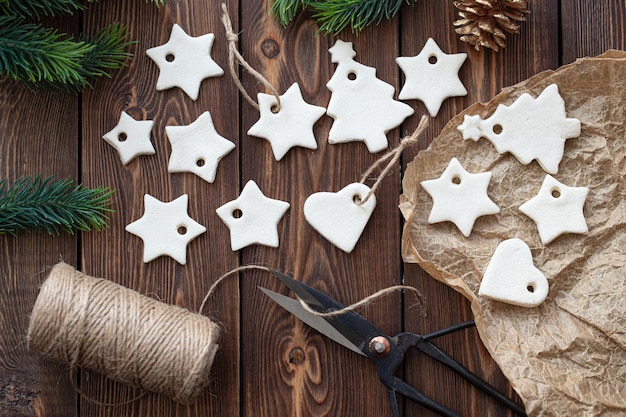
<point x="166" y="229"/>
<point x="432" y="76"/>
<point x="252" y="218"/>
<point x="288" y="126"/>
<point x="460" y="197"/>
<point x="184" y="61"/>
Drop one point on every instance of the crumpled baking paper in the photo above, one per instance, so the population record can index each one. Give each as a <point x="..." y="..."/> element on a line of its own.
<point x="566" y="357"/>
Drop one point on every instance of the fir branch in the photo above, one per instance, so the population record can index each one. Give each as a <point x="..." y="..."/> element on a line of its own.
<point x="335" y="15"/>
<point x="286" y="10"/>
<point x="45" y="204"/>
<point x="36" y="9"/>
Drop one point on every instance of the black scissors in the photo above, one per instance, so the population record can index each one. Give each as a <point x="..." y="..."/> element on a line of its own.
<point x="356" y="333"/>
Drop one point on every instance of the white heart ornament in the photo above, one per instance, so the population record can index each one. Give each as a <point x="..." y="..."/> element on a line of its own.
<point x="511" y="277"/>
<point x="338" y="217"/>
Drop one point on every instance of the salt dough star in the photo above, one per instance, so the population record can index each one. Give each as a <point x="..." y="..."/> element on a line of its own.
<point x="291" y="125"/>
<point x="166" y="229"/>
<point x="184" y="61"/>
<point x="557" y="209"/>
<point x="252" y="218"/>
<point x="197" y="148"/>
<point x="460" y="197"/>
<point x="529" y="128"/>
<point x="131" y="138"/>
<point x="432" y="76"/>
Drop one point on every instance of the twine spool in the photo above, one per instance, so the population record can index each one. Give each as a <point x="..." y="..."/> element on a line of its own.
<point x="96" y="324"/>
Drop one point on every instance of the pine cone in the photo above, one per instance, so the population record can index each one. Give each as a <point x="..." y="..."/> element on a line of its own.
<point x="486" y="22"/>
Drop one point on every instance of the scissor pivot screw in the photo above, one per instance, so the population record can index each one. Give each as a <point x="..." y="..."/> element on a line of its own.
<point x="379" y="346"/>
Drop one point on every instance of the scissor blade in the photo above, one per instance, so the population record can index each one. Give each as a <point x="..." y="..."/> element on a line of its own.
<point x="316" y="322"/>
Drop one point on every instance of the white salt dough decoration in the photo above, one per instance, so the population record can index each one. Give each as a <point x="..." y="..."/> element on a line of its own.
<point x="131" y="138"/>
<point x="184" y="61"/>
<point x="459" y="197"/>
<point x="511" y="277"/>
<point x="252" y="218"/>
<point x="432" y="76"/>
<point x="166" y="229"/>
<point x="197" y="148"/>
<point x="362" y="106"/>
<point x="289" y="126"/>
<point x="529" y="128"/>
<point x="338" y="216"/>
<point x="557" y="209"/>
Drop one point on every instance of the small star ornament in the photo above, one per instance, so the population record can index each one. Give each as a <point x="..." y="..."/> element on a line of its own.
<point x="184" y="61"/>
<point x="166" y="229"/>
<point x="288" y="126"/>
<point x="557" y="209"/>
<point x="131" y="138"/>
<point x="459" y="197"/>
<point x="530" y="129"/>
<point x="252" y="218"/>
<point x="197" y="148"/>
<point x="432" y="76"/>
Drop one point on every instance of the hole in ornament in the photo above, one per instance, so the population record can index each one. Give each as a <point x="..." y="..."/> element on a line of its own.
<point x="200" y="162"/>
<point x="356" y="198"/>
<point x="122" y="137"/>
<point x="497" y="129"/>
<point x="456" y="180"/>
<point x="531" y="288"/>
<point x="237" y="213"/>
<point x="555" y="192"/>
<point x="182" y="229"/>
<point x="432" y="59"/>
<point x="352" y="76"/>
<point x="170" y="57"/>
<point x="275" y="108"/>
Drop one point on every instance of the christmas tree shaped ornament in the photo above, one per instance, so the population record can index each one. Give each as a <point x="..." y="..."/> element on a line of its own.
<point x="131" y="138"/>
<point x="529" y="128"/>
<point x="184" y="61"/>
<point x="197" y="148"/>
<point x="557" y="209"/>
<point x="287" y="124"/>
<point x="252" y="218"/>
<point x="511" y="277"/>
<point x="459" y="197"/>
<point x="432" y="76"/>
<point x="166" y="229"/>
<point x="362" y="106"/>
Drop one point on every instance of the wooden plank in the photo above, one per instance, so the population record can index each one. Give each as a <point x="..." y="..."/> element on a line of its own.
<point x="116" y="254"/>
<point x="291" y="369"/>
<point x="484" y="74"/>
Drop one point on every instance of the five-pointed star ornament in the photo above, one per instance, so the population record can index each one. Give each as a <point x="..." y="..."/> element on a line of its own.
<point x="252" y="218"/>
<point x="460" y="197"/>
<point x="557" y="209"/>
<point x="184" y="61"/>
<point x="197" y="148"/>
<point x="131" y="138"/>
<point x="432" y="76"/>
<point x="166" y="229"/>
<point x="288" y="126"/>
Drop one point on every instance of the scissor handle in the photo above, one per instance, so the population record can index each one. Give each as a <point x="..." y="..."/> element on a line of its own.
<point x="408" y="391"/>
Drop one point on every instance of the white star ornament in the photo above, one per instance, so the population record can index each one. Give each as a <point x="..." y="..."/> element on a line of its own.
<point x="197" y="148"/>
<point x="432" y="76"/>
<point x="290" y="125"/>
<point x="184" y="61"/>
<point x="131" y="138"/>
<point x="252" y="218"/>
<point x="166" y="229"/>
<point x="459" y="197"/>
<point x="557" y="209"/>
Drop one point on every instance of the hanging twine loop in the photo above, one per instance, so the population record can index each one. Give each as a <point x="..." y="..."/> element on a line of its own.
<point x="235" y="57"/>
<point x="392" y="156"/>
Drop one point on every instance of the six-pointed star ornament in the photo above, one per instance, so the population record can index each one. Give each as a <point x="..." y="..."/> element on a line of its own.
<point x="252" y="218"/>
<point x="557" y="209"/>
<point x="197" y="148"/>
<point x="131" y="138"/>
<point x="184" y="61"/>
<point x="166" y="229"/>
<point x="432" y="76"/>
<point x="459" y="197"/>
<point x="288" y="126"/>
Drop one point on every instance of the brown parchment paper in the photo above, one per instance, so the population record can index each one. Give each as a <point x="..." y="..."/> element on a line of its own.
<point x="566" y="357"/>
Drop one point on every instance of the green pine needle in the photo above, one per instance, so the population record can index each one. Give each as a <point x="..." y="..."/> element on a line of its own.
<point x="36" y="9"/>
<point x="286" y="10"/>
<point x="32" y="202"/>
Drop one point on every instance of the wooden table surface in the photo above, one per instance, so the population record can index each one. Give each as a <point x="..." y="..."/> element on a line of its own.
<point x="269" y="364"/>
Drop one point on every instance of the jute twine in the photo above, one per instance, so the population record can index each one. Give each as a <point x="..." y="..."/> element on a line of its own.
<point x="96" y="324"/>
